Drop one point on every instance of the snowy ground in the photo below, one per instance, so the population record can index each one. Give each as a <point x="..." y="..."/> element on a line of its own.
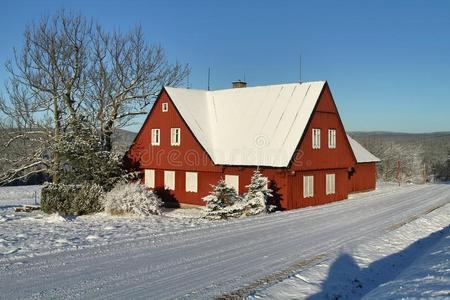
<point x="25" y="235"/>
<point x="293" y="254"/>
<point x="356" y="269"/>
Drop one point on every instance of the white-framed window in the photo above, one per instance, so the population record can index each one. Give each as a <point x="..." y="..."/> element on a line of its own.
<point x="308" y="186"/>
<point x="191" y="182"/>
<point x="316" y="138"/>
<point x="232" y="181"/>
<point x="330" y="184"/>
<point x="332" y="138"/>
<point x="155" y="136"/>
<point x="169" y="180"/>
<point x="149" y="178"/>
<point x="175" y="136"/>
<point x="165" y="106"/>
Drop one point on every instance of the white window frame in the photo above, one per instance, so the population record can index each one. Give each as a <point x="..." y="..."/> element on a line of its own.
<point x="332" y="138"/>
<point x="156" y="137"/>
<point x="165" y="107"/>
<point x="232" y="181"/>
<point x="316" y="138"/>
<point x="149" y="178"/>
<point x="175" y="136"/>
<point x="192" y="182"/>
<point x="169" y="180"/>
<point x="308" y="186"/>
<point x="330" y="184"/>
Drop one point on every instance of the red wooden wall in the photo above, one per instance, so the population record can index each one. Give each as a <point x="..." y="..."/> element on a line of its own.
<point x="188" y="156"/>
<point x="364" y="177"/>
<point x="324" y="117"/>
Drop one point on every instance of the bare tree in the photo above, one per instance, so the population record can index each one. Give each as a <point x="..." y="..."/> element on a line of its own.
<point x="126" y="75"/>
<point x="45" y="91"/>
<point x="69" y="72"/>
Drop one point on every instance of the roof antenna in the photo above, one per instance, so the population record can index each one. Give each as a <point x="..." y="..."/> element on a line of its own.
<point x="244" y="77"/>
<point x="300" y="68"/>
<point x="187" y="82"/>
<point x="209" y="78"/>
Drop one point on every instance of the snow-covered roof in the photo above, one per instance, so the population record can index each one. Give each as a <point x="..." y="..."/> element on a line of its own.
<point x="362" y="154"/>
<point x="257" y="126"/>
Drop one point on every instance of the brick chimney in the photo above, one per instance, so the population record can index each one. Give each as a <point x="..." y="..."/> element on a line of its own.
<point x="239" y="84"/>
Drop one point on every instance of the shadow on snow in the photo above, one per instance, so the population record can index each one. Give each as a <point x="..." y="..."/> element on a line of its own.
<point x="347" y="280"/>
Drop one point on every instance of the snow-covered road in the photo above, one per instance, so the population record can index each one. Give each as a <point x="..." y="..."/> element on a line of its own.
<point x="232" y="258"/>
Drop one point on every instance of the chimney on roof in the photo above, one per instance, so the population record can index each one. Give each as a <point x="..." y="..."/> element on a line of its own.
<point x="239" y="84"/>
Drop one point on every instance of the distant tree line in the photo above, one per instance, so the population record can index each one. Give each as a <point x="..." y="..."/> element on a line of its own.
<point x="442" y="169"/>
<point x="422" y="157"/>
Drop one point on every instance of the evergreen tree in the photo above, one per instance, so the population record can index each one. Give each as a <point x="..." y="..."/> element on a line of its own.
<point x="255" y="200"/>
<point x="219" y="200"/>
<point x="220" y="197"/>
<point x="84" y="161"/>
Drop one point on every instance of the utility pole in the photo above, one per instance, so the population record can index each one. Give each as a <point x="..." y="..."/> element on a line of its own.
<point x="398" y="172"/>
<point x="209" y="78"/>
<point x="300" y="69"/>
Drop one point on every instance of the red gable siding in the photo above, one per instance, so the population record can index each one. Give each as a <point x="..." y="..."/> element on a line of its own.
<point x="325" y="116"/>
<point x="188" y="156"/>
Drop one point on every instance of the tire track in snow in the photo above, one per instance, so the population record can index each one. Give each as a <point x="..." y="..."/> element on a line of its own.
<point x="210" y="262"/>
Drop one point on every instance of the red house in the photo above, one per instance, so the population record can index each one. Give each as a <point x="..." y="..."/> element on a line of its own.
<point x="364" y="173"/>
<point x="292" y="132"/>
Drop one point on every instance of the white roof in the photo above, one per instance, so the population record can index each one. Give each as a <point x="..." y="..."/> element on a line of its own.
<point x="362" y="154"/>
<point x="252" y="126"/>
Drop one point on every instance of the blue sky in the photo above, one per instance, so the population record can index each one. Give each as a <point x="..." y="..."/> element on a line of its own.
<point x="387" y="62"/>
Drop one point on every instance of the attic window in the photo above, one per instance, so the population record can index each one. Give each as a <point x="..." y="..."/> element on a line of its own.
<point x="316" y="138"/>
<point x="175" y="136"/>
<point x="165" y="107"/>
<point x="332" y="138"/>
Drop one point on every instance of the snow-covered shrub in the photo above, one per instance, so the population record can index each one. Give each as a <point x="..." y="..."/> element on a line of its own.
<point x="58" y="198"/>
<point x="88" y="199"/>
<point x="220" y="200"/>
<point x="132" y="198"/>
<point x="67" y="199"/>
<point x="254" y="201"/>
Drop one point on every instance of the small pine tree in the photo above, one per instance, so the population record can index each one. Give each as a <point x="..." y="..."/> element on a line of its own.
<point x="258" y="183"/>
<point x="219" y="198"/>
<point x="255" y="200"/>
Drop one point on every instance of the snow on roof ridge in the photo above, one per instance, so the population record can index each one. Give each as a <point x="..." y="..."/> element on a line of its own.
<point x="248" y="87"/>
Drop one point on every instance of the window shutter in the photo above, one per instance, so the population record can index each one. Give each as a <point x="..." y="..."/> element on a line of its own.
<point x="330" y="184"/>
<point x="316" y="138"/>
<point x="232" y="181"/>
<point x="331" y="138"/>
<point x="155" y="137"/>
<point x="191" y="182"/>
<point x="149" y="178"/>
<point x="169" y="180"/>
<point x="308" y="186"/>
<point x="175" y="136"/>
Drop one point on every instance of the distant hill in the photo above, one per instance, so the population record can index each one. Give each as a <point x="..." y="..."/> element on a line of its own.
<point x="420" y="154"/>
<point x="122" y="140"/>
